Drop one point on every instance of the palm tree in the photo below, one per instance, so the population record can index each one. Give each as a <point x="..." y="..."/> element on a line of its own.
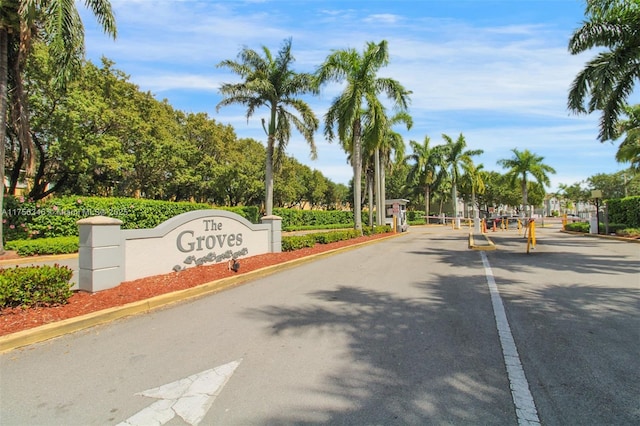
<point x="58" y="24"/>
<point x="390" y="143"/>
<point x="378" y="150"/>
<point x="347" y="111"/>
<point x="608" y="79"/>
<point x="271" y="82"/>
<point x="629" y="149"/>
<point x="523" y="164"/>
<point x="455" y="158"/>
<point x="474" y="182"/>
<point x="428" y="165"/>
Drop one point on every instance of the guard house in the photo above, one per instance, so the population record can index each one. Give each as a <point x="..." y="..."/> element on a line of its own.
<point x="396" y="214"/>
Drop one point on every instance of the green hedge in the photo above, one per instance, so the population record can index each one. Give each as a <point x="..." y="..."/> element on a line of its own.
<point x="35" y="286"/>
<point x="313" y="218"/>
<point x="614" y="228"/>
<point x="625" y="210"/>
<point x="57" y="217"/>
<point x="577" y="227"/>
<point x="41" y="246"/>
<point x="296" y="242"/>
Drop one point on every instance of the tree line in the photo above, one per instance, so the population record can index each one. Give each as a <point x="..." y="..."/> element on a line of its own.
<point x="74" y="127"/>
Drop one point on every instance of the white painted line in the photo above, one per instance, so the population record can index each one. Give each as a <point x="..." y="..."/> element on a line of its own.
<point x="523" y="400"/>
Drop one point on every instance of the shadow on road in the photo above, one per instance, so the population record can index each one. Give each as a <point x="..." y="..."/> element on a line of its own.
<point x="413" y="360"/>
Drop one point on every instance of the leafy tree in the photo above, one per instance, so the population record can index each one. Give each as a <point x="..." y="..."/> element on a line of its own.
<point x="346" y="115"/>
<point x="456" y="156"/>
<point x="58" y="23"/>
<point x="336" y="196"/>
<point x="608" y="79"/>
<point x="522" y="165"/>
<point x="239" y="177"/>
<point x="317" y="187"/>
<point x="397" y="183"/>
<point x="498" y="191"/>
<point x="270" y="82"/>
<point x="612" y="185"/>
<point x="291" y="186"/>
<point x="569" y="195"/>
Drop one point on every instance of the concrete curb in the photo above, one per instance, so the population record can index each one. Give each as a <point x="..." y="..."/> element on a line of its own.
<point x="484" y="244"/>
<point x="38" y="259"/>
<point x="71" y="325"/>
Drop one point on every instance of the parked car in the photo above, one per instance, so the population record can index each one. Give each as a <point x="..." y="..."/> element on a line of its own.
<point x="511" y="220"/>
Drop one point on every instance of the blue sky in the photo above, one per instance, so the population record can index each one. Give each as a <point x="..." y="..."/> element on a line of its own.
<point x="496" y="71"/>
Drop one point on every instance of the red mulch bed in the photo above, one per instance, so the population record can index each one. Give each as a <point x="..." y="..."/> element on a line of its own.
<point x="17" y="319"/>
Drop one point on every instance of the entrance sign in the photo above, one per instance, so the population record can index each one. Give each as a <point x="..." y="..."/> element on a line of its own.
<point x="109" y="255"/>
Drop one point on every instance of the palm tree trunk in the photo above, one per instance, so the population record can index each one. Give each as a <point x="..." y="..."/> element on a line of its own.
<point x="369" y="181"/>
<point x="376" y="161"/>
<point x="454" y="196"/>
<point x="4" y="77"/>
<point x="427" y="194"/>
<point x="383" y="193"/>
<point x="525" y="198"/>
<point x="268" y="201"/>
<point x="357" y="176"/>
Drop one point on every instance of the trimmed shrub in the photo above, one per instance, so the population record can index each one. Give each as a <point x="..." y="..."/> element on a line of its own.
<point x="35" y="286"/>
<point x="297" y="242"/>
<point x="628" y="232"/>
<point x="577" y="227"/>
<point x="40" y="246"/>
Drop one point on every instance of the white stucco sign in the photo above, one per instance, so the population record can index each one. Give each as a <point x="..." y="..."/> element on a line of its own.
<point x="108" y="254"/>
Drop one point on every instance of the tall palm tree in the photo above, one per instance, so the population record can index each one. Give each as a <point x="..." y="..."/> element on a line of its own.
<point x="428" y="165"/>
<point x="522" y="165"/>
<point x="456" y="155"/>
<point x="361" y="93"/>
<point x="608" y="79"/>
<point x="378" y="149"/>
<point x="270" y="82"/>
<point x="629" y="149"/>
<point x="473" y="180"/>
<point x="390" y="143"/>
<point x="58" y="24"/>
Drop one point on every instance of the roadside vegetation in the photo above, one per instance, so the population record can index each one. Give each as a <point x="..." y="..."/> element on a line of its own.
<point x="80" y="139"/>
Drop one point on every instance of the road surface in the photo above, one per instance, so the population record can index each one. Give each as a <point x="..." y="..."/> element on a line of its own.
<point x="414" y="330"/>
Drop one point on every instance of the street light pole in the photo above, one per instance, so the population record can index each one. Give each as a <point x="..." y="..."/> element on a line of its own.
<point x="597" y="194"/>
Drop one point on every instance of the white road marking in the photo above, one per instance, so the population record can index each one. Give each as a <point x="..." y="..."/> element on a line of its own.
<point x="190" y="398"/>
<point x="526" y="411"/>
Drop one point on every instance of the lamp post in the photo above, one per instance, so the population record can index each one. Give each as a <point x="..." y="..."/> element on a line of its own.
<point x="597" y="194"/>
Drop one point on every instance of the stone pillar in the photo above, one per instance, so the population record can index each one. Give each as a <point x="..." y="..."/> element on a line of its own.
<point x="275" y="235"/>
<point x="100" y="254"/>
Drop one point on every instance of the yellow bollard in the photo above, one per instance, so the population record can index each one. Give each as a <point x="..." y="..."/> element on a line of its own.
<point x="531" y="241"/>
<point x="519" y="227"/>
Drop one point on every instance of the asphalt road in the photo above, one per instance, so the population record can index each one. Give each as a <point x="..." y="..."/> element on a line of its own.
<point x="405" y="331"/>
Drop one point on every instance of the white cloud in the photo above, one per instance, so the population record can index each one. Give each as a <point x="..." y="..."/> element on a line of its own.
<point x="503" y="86"/>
